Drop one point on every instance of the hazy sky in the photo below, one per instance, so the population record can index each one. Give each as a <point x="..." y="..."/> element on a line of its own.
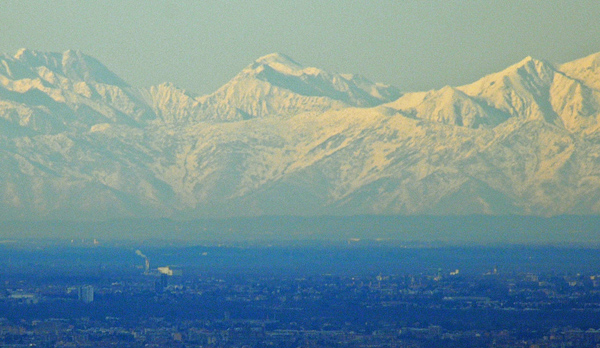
<point x="200" y="45"/>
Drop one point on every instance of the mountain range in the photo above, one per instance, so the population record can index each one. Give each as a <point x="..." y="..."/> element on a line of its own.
<point x="79" y="143"/>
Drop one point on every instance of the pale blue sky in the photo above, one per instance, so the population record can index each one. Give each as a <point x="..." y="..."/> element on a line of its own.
<point x="200" y="45"/>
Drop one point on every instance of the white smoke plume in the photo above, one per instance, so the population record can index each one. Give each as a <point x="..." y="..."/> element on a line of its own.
<point x="147" y="261"/>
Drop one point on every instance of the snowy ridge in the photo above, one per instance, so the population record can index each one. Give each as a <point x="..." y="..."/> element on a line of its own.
<point x="77" y="142"/>
<point x="74" y="65"/>
<point x="586" y="70"/>
<point x="354" y="90"/>
<point x="276" y="85"/>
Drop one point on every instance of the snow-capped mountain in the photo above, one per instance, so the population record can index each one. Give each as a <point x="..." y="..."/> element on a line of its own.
<point x="54" y="93"/>
<point x="529" y="90"/>
<point x="78" y="142"/>
<point x="272" y="86"/>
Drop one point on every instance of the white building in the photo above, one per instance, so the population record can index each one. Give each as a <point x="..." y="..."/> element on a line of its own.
<point x="86" y="293"/>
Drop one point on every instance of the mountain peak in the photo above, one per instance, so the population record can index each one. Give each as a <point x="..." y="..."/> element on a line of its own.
<point x="75" y="54"/>
<point x="529" y="63"/>
<point x="584" y="69"/>
<point x="72" y="63"/>
<point x="529" y="69"/>
<point x="276" y="58"/>
<point x="23" y="53"/>
<point x="592" y="61"/>
<point x="528" y="59"/>
<point x="37" y="58"/>
<point x="279" y="62"/>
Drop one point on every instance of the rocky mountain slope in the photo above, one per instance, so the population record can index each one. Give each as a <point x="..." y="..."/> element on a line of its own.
<point x="77" y="142"/>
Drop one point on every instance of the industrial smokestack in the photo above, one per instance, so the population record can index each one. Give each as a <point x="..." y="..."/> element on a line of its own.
<point x="147" y="261"/>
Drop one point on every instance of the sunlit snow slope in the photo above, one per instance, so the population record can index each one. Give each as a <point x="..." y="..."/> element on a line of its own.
<point x="77" y="142"/>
